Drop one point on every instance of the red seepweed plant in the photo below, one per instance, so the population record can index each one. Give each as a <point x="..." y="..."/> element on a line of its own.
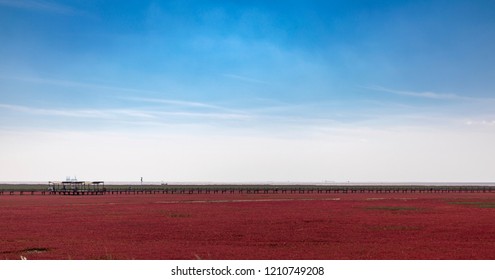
<point x="249" y="226"/>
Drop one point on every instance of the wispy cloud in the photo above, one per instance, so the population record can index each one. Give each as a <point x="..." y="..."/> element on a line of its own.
<point x="139" y="92"/>
<point x="38" y="5"/>
<point x="423" y="94"/>
<point x="75" y="84"/>
<point x="116" y="114"/>
<point x="78" y="113"/>
<point x="175" y="108"/>
<point x="174" y="102"/>
<point x="251" y="118"/>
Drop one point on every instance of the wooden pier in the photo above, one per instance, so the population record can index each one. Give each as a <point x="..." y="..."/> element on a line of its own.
<point x="79" y="189"/>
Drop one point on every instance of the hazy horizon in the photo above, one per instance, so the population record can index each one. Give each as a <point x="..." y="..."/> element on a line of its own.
<point x="272" y="183"/>
<point x="256" y="91"/>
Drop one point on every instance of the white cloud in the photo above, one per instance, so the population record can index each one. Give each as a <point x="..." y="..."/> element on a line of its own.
<point x="78" y="113"/>
<point x="129" y="113"/>
<point x="429" y="94"/>
<point x="174" y="102"/>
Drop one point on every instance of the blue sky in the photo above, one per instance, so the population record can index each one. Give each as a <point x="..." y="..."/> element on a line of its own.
<point x="247" y="90"/>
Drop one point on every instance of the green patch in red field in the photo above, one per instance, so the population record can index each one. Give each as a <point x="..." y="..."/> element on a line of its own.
<point x="395" y="227"/>
<point x="479" y="204"/>
<point x="33" y="250"/>
<point x="393" y="208"/>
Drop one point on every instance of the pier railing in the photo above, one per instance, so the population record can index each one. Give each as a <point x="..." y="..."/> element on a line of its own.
<point x="250" y="189"/>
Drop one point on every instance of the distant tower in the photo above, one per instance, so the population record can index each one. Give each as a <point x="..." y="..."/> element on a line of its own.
<point x="141" y="181"/>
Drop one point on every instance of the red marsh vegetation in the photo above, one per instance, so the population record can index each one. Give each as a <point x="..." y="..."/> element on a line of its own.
<point x="249" y="226"/>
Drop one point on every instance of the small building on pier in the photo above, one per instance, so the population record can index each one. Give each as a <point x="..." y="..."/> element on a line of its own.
<point x="73" y="185"/>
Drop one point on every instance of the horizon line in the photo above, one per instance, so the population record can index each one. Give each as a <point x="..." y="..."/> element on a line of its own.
<point x="275" y="183"/>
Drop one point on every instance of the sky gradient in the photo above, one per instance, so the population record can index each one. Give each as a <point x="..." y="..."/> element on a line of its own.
<point x="247" y="91"/>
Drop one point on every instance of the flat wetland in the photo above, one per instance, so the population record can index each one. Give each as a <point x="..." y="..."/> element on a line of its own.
<point x="310" y="225"/>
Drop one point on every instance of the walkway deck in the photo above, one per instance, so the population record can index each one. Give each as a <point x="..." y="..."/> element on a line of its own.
<point x="269" y="189"/>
